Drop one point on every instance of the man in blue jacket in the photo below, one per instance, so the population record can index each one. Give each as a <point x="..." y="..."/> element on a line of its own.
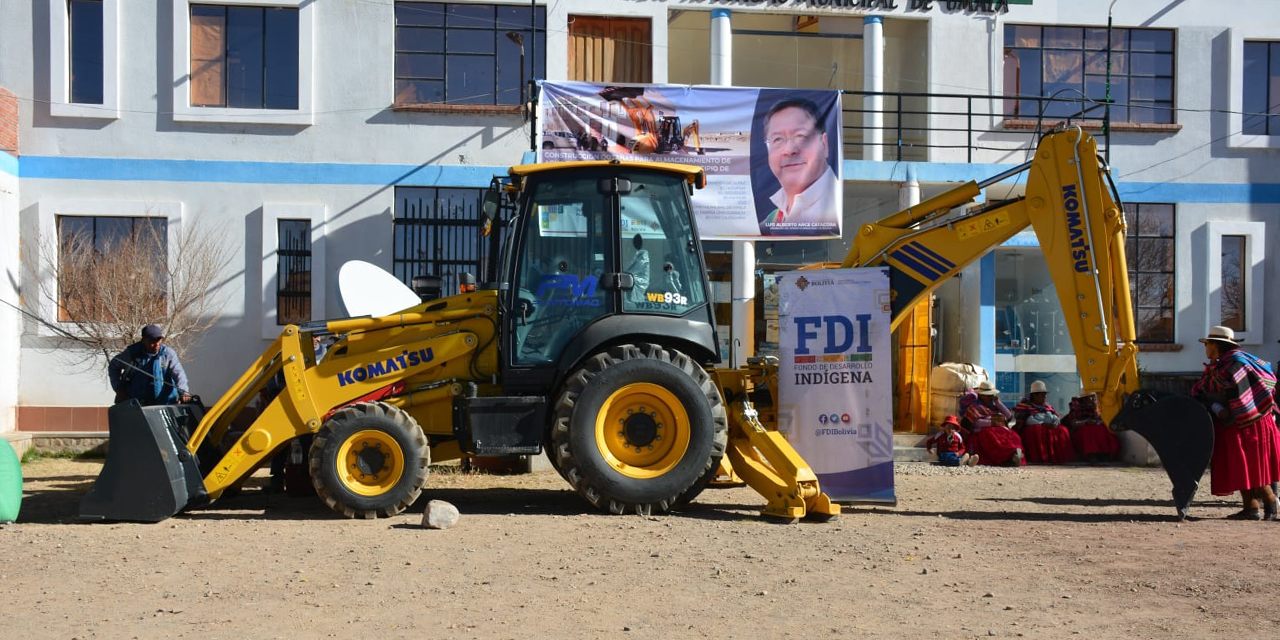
<point x="149" y="372"/>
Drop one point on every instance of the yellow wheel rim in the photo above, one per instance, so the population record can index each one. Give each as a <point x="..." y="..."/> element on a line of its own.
<point x="370" y="462"/>
<point x="642" y="430"/>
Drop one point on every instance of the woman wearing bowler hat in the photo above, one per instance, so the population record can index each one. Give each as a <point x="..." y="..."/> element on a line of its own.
<point x="983" y="415"/>
<point x="1044" y="438"/>
<point x="1239" y="389"/>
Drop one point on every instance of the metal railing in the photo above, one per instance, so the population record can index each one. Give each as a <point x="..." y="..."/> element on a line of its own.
<point x="956" y="127"/>
<point x="437" y="232"/>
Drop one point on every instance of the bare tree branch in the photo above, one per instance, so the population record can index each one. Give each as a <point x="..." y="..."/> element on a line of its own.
<point x="108" y="288"/>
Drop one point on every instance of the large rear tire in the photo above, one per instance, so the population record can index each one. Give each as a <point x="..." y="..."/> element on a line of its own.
<point x="369" y="459"/>
<point x="639" y="429"/>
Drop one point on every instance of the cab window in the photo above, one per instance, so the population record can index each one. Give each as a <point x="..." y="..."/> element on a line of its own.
<point x="656" y="244"/>
<point x="560" y="262"/>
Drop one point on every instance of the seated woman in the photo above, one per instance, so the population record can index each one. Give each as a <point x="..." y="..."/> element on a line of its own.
<point x="1092" y="440"/>
<point x="987" y="420"/>
<point x="1044" y="439"/>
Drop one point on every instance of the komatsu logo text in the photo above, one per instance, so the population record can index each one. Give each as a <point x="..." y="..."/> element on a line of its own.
<point x="1079" y="243"/>
<point x="403" y="362"/>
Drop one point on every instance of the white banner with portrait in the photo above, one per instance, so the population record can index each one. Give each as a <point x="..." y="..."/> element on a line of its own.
<point x="835" y="390"/>
<point x="773" y="157"/>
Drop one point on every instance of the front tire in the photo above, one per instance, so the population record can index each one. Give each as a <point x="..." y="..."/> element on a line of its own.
<point x="369" y="459"/>
<point x="638" y="429"/>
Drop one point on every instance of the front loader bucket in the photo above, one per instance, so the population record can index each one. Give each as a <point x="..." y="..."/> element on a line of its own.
<point x="149" y="475"/>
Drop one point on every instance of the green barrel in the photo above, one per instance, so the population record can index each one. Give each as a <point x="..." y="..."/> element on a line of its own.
<point x="10" y="482"/>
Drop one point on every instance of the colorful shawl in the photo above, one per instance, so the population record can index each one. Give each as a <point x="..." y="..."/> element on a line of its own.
<point x="974" y="410"/>
<point x="1241" y="381"/>
<point x="1026" y="408"/>
<point x="1084" y="410"/>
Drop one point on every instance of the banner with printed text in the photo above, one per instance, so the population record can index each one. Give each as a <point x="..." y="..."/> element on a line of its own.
<point x="835" y="390"/>
<point x="773" y="157"/>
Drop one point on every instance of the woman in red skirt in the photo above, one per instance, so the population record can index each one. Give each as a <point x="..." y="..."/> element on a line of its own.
<point x="1044" y="439"/>
<point x="1239" y="390"/>
<point x="1093" y="441"/>
<point x="986" y="421"/>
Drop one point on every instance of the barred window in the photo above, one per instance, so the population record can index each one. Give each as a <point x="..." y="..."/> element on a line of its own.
<point x="293" y="272"/>
<point x="466" y="53"/>
<point x="1149" y="247"/>
<point x="437" y="233"/>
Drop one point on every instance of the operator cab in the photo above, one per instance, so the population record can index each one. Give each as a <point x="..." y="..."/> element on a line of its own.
<point x="596" y="254"/>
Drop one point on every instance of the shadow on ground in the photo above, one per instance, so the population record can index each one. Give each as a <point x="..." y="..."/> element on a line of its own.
<point x="57" y="501"/>
<point x="1099" y="502"/>
<point x="1040" y="516"/>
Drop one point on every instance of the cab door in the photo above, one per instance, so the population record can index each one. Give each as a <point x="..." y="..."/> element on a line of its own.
<point x="564" y="245"/>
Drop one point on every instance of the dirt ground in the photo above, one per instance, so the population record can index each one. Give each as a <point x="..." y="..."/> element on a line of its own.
<point x="1059" y="552"/>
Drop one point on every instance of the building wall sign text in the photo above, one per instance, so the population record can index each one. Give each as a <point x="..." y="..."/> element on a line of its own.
<point x="907" y="6"/>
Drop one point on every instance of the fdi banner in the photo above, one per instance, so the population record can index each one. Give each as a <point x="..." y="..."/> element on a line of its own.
<point x="773" y="157"/>
<point x="835" y="389"/>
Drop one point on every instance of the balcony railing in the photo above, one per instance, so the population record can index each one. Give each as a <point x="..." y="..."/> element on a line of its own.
<point x="954" y="127"/>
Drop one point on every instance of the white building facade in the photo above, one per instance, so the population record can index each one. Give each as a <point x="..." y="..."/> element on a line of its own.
<point x="330" y="129"/>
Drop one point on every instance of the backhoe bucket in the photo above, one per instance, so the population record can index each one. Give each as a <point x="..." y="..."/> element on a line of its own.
<point x="149" y="475"/>
<point x="1181" y="431"/>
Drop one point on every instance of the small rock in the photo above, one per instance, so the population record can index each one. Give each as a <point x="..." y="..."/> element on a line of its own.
<point x="991" y="632"/>
<point x="439" y="515"/>
<point x="988" y="595"/>
<point x="924" y="572"/>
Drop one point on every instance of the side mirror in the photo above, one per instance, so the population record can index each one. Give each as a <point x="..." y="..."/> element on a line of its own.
<point x="492" y="200"/>
<point x="619" y="186"/>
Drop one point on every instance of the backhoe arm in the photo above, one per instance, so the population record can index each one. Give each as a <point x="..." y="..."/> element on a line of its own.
<point x="1070" y="204"/>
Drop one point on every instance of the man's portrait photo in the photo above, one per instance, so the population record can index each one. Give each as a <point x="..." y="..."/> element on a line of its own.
<point x="799" y="192"/>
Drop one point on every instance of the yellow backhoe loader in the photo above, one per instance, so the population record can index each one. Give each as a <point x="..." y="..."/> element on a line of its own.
<point x="593" y="340"/>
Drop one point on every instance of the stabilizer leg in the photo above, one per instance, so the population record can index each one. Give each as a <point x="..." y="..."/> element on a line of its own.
<point x="773" y="468"/>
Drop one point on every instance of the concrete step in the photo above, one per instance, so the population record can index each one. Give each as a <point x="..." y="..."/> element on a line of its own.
<point x="912" y="454"/>
<point x="909" y="447"/>
<point x="909" y="439"/>
<point x="58" y="441"/>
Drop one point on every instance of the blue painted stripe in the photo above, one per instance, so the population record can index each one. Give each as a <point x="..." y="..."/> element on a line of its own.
<point x="8" y="164"/>
<point x="72" y="168"/>
<point x="924" y="259"/>
<point x="935" y="255"/>
<point x="719" y="13"/>
<point x="52" y="167"/>
<point x="915" y="266"/>
<point x="872" y="20"/>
